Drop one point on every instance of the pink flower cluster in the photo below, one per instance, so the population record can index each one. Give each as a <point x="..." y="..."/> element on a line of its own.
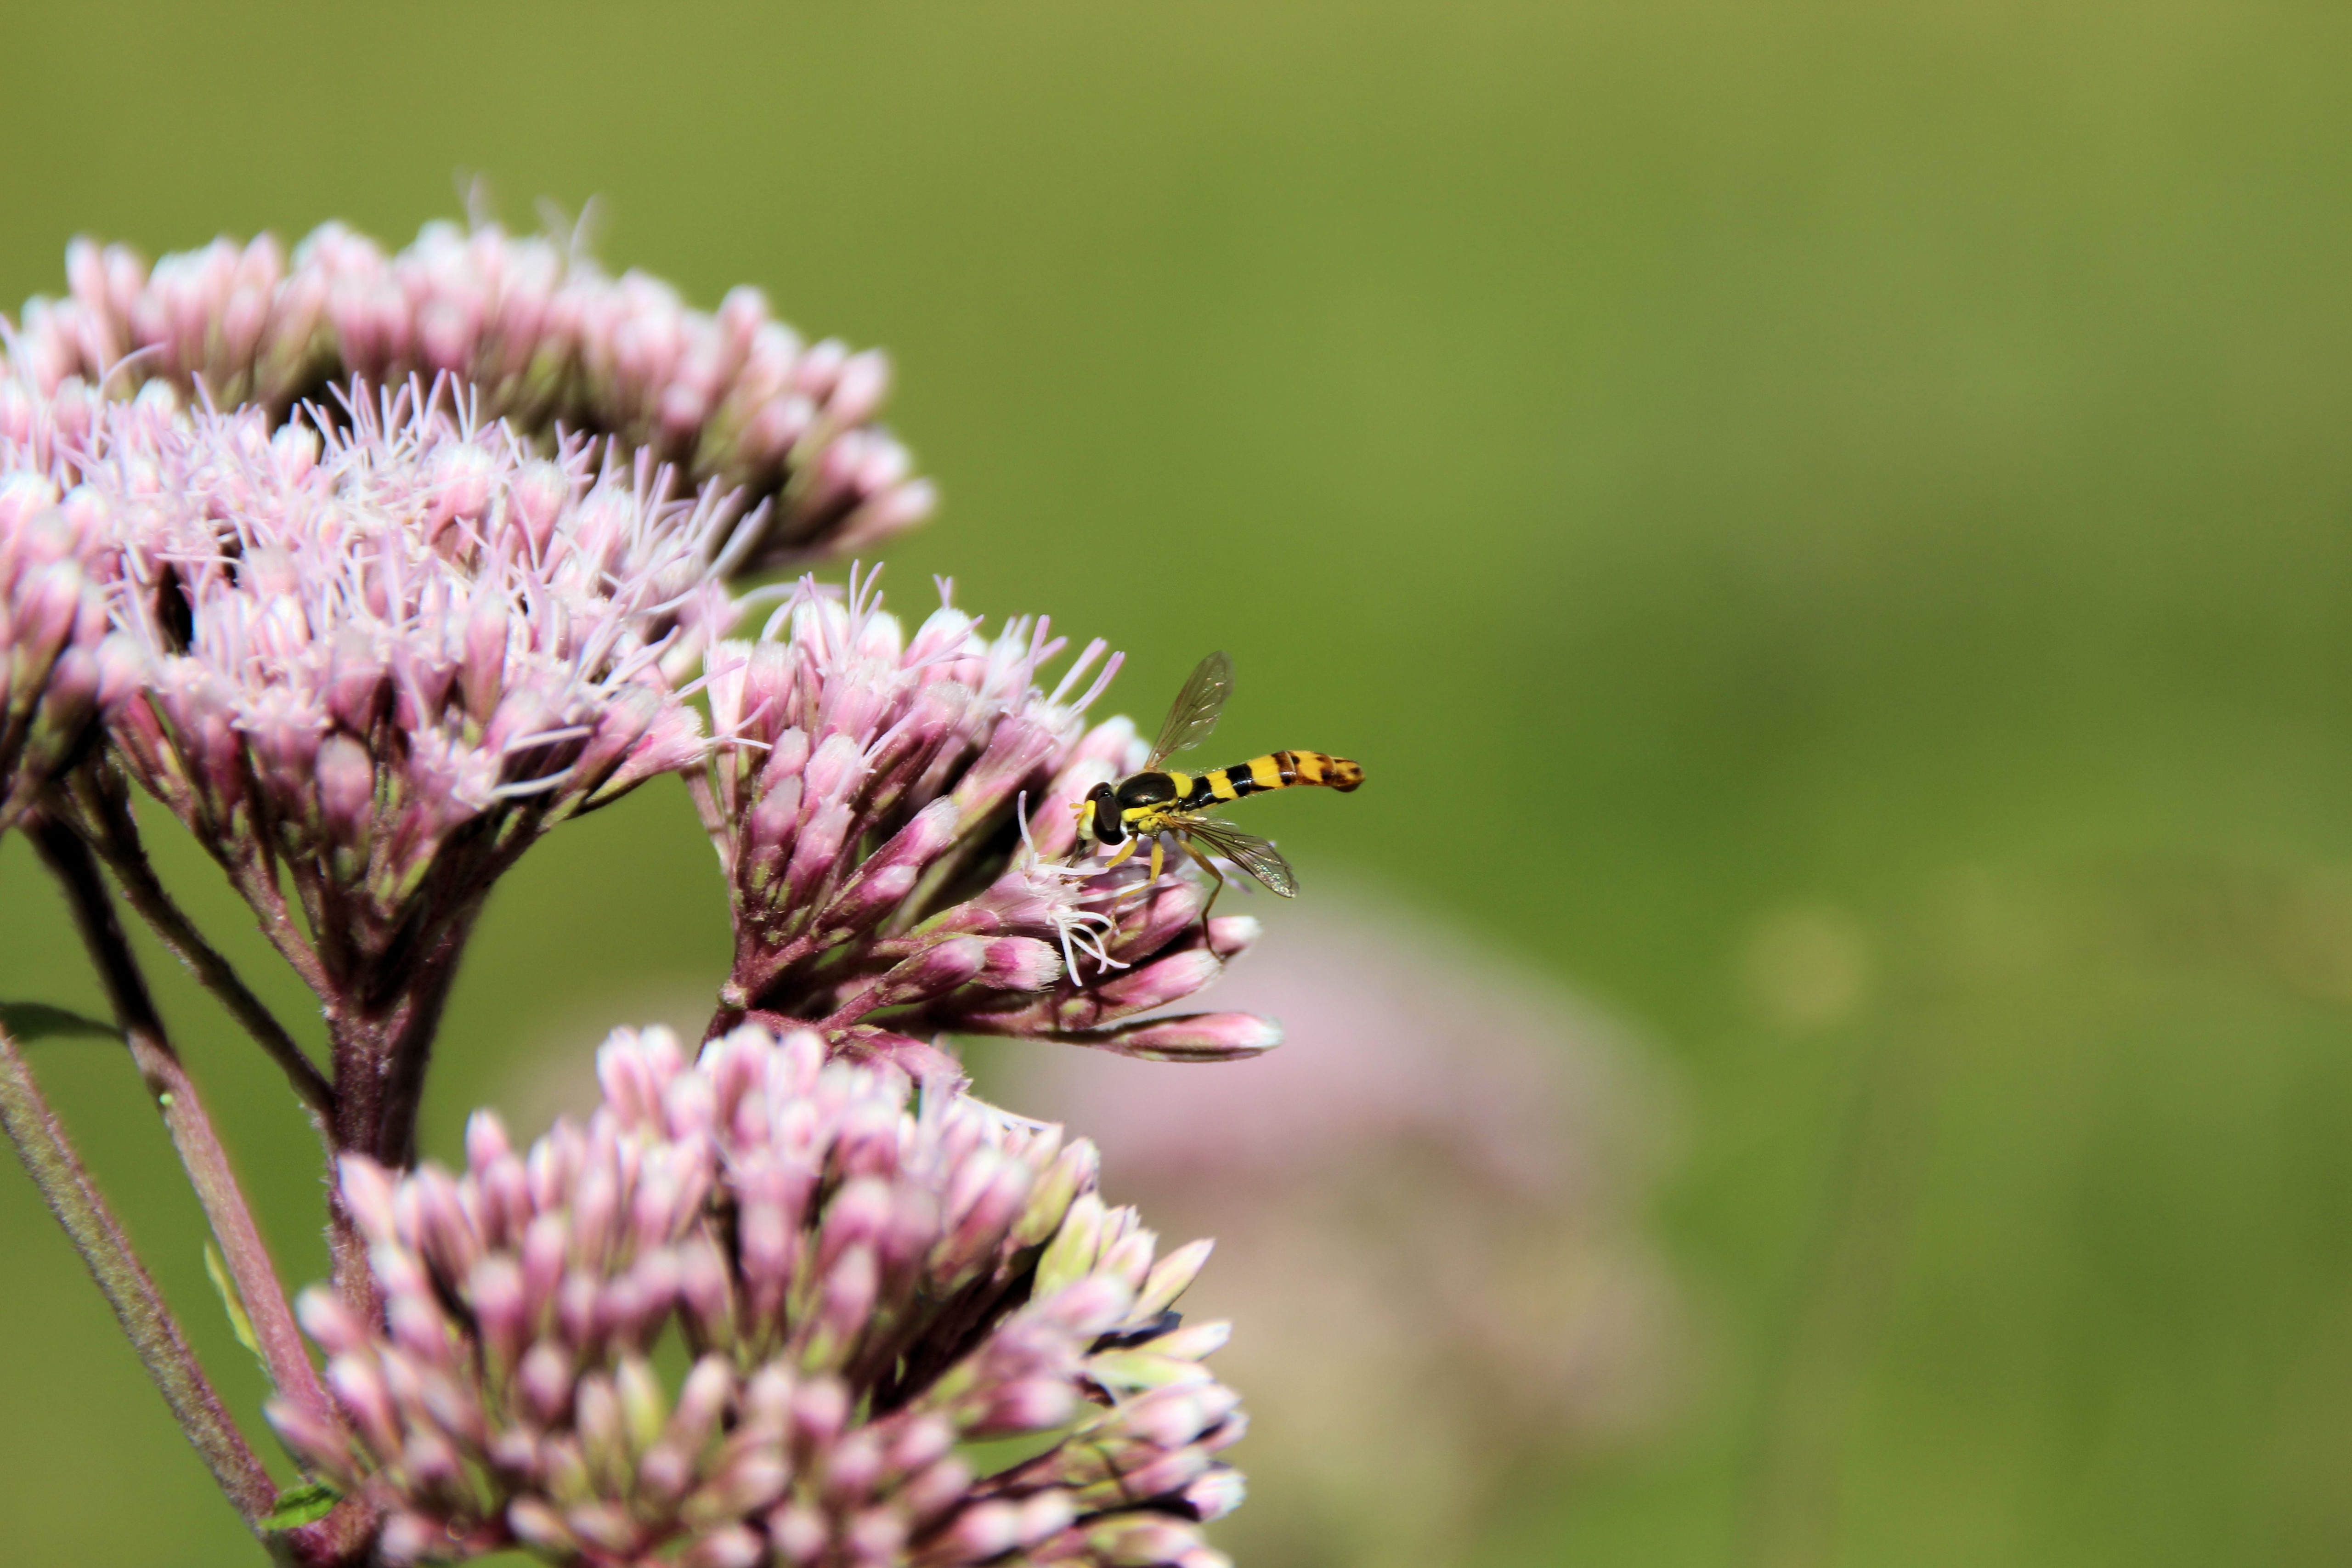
<point x="544" y="339"/>
<point x="862" y="1285"/>
<point x="894" y="815"/>
<point x="60" y="670"/>
<point x="383" y="662"/>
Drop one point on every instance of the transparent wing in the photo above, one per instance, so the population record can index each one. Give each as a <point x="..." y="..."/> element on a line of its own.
<point x="1247" y="850"/>
<point x="1196" y="709"/>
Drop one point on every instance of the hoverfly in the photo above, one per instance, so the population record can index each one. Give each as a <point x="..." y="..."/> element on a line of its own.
<point x="1158" y="804"/>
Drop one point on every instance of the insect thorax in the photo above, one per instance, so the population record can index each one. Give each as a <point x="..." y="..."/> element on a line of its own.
<point x="1153" y="788"/>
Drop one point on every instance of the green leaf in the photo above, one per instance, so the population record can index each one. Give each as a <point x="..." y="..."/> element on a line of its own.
<point x="29" y="1021"/>
<point x="240" y="1319"/>
<point x="305" y="1504"/>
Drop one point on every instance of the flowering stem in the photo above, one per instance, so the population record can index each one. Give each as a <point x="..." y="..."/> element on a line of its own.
<point x="66" y="1186"/>
<point x="381" y="1054"/>
<point x="279" y="1342"/>
<point x="115" y="834"/>
<point x="258" y="884"/>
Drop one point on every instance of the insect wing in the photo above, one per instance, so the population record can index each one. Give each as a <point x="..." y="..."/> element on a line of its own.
<point x="1248" y="851"/>
<point x="1196" y="709"/>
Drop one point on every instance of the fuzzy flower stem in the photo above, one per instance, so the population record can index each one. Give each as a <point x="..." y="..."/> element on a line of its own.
<point x="249" y="1265"/>
<point x="257" y="883"/>
<point x="66" y="1186"/>
<point x="106" y="817"/>
<point x="380" y="1061"/>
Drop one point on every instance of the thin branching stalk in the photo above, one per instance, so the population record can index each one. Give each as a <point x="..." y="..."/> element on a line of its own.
<point x="106" y="817"/>
<point x="249" y="1263"/>
<point x="66" y="1186"/>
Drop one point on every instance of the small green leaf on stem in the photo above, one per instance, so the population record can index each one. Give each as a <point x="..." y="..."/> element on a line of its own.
<point x="30" y="1021"/>
<point x="306" y="1504"/>
<point x="239" y="1320"/>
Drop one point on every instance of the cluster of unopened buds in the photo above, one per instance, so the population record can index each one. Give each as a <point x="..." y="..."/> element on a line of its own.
<point x="864" y="1284"/>
<point x="61" y="670"/>
<point x="972" y="910"/>
<point x="375" y="569"/>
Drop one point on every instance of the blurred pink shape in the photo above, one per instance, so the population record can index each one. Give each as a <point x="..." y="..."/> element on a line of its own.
<point x="1396" y="1034"/>
<point x="1428" y="1203"/>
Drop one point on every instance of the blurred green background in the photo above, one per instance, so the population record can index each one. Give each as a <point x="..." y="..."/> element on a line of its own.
<point x="1828" y="523"/>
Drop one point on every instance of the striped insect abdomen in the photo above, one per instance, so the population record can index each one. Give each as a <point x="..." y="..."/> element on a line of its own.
<point x="1275" y="770"/>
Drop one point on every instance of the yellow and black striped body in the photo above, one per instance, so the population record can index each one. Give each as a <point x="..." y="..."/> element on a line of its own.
<point x="1143" y="803"/>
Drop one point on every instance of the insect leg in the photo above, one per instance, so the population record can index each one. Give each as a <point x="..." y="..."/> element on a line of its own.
<point x="1159" y="862"/>
<point x="1125" y="850"/>
<point x="1216" y="882"/>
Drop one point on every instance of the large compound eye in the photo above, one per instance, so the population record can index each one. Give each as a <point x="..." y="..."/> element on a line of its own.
<point x="1107" y="824"/>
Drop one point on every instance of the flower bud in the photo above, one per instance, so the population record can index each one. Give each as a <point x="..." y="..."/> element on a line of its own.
<point x="1158" y="985"/>
<point x="1020" y="964"/>
<point x="1190" y="1037"/>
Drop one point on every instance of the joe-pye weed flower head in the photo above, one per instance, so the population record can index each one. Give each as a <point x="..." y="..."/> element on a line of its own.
<point x="540" y="335"/>
<point x="383" y="661"/>
<point x="864" y="1280"/>
<point x="893" y="812"/>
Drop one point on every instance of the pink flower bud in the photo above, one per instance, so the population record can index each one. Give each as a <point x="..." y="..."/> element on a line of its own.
<point x="1127" y="1541"/>
<point x="1037" y="1404"/>
<point x="859" y="388"/>
<point x="736" y="1546"/>
<point x="1073" y="1171"/>
<point x="484" y="662"/>
<point x="122" y="671"/>
<point x="820" y="1412"/>
<point x="980" y="1531"/>
<point x="1020" y="964"/>
<point x="1157" y="984"/>
<point x="1230" y="936"/>
<point x="936" y="1488"/>
<point x="1154" y="1477"/>
<point x="359" y="1388"/>
<point x="816" y="849"/>
<point x="544" y="1379"/>
<point x="1191" y="1038"/>
<point x="799" y="1533"/>
<point x="1217" y="1494"/>
<point x="317" y="1443"/>
<point x="346" y="787"/>
<point x="986" y="1195"/>
<point x="486" y="1141"/>
<point x="846" y="1301"/>
<point x="49" y="600"/>
<point x="501" y="1306"/>
<point x="410" y="1538"/>
<point x="367" y="1191"/>
<point x="1171" y="1278"/>
<point x="877" y="1536"/>
<point x="935" y="971"/>
<point x="535" y="501"/>
<point x="891" y="872"/>
<point x="1159" y="921"/>
<point x="70" y="693"/>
